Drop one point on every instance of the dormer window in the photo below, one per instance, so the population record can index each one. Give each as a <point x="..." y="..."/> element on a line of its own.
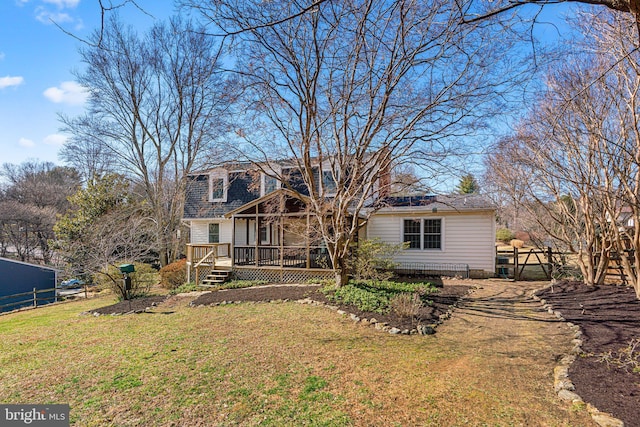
<point x="218" y="185"/>
<point x="269" y="181"/>
<point x="328" y="183"/>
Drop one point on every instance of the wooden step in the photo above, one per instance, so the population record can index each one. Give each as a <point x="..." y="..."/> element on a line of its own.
<point x="216" y="277"/>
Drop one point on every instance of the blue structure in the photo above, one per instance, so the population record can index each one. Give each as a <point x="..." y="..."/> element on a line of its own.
<point x="20" y="277"/>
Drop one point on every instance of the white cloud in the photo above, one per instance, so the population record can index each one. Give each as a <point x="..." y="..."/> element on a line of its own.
<point x="70" y="93"/>
<point x="63" y="3"/>
<point x="10" y="81"/>
<point x="27" y="143"/>
<point x="55" y="139"/>
<point x="48" y="17"/>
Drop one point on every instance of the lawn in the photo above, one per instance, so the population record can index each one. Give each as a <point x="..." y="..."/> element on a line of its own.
<point x="254" y="364"/>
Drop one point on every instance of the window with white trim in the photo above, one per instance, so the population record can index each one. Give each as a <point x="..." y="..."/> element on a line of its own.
<point x="218" y="185"/>
<point x="214" y="233"/>
<point x="268" y="184"/>
<point x="423" y="233"/>
<point x="328" y="183"/>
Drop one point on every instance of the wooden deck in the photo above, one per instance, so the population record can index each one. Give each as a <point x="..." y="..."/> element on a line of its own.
<point x="272" y="263"/>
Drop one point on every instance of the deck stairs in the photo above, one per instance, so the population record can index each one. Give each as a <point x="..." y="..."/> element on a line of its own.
<point x="215" y="278"/>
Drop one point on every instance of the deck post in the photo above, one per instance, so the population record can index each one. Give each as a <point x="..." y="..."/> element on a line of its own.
<point x="256" y="237"/>
<point x="308" y="249"/>
<point x="281" y="238"/>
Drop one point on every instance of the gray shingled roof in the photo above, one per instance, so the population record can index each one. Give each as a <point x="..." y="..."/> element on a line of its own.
<point x="198" y="206"/>
<point x="451" y="202"/>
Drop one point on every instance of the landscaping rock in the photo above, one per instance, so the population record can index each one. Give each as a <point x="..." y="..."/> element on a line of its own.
<point x="426" y="330"/>
<point x="569" y="396"/>
<point x="604" y="420"/>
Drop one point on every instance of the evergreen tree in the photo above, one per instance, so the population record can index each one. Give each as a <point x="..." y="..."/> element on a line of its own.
<point x="467" y="185"/>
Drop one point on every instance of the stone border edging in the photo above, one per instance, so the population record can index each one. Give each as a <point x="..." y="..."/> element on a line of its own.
<point x="562" y="384"/>
<point x="429" y="329"/>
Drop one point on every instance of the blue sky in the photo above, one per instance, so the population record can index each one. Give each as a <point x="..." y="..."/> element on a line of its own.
<point x="37" y="59"/>
<point x="36" y="63"/>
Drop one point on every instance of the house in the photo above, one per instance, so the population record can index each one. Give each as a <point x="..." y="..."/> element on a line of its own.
<point x="444" y="232"/>
<point x="244" y="220"/>
<point x="18" y="277"/>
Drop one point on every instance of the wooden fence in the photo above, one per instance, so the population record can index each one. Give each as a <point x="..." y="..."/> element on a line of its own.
<point x="511" y="263"/>
<point x="33" y="298"/>
<point x="616" y="273"/>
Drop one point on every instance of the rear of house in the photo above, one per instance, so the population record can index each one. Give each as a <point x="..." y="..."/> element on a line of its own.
<point x="241" y="222"/>
<point x="443" y="233"/>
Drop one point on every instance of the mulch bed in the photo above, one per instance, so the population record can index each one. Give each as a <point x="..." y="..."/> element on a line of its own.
<point x="442" y="301"/>
<point x="134" y="305"/>
<point x="609" y="317"/>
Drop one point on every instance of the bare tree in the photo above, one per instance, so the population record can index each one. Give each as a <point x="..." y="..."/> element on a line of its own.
<point x="353" y="88"/>
<point x="33" y="195"/>
<point x="578" y="149"/>
<point x="87" y="153"/>
<point x="478" y="10"/>
<point x="105" y="225"/>
<point x="156" y="107"/>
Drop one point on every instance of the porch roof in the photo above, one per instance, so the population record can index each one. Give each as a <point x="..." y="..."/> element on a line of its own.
<point x="277" y="193"/>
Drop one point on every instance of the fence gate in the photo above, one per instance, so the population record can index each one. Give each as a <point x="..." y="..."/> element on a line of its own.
<point x="509" y="264"/>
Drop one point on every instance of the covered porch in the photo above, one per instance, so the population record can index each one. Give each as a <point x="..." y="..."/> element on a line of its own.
<point x="277" y="231"/>
<point x="273" y="238"/>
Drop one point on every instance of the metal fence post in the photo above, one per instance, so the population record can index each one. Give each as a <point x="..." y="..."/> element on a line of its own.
<point x="35" y="298"/>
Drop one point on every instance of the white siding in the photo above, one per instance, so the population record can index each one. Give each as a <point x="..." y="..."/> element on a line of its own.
<point x="241" y="232"/>
<point x="468" y="238"/>
<point x="200" y="230"/>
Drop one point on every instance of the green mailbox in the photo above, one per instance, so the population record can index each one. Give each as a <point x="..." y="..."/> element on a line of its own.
<point x="127" y="268"/>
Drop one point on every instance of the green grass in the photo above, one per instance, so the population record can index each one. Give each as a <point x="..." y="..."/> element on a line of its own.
<point x="258" y="365"/>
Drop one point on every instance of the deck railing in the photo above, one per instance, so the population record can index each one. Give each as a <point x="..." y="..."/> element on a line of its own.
<point x="202" y="258"/>
<point x="207" y="253"/>
<point x="287" y="256"/>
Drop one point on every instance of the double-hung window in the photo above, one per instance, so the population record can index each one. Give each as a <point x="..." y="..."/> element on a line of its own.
<point x="329" y="184"/>
<point x="214" y="233"/>
<point x="218" y="185"/>
<point x="423" y="233"/>
<point x="268" y="184"/>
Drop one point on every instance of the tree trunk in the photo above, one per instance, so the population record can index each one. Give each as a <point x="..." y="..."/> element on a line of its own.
<point x="341" y="274"/>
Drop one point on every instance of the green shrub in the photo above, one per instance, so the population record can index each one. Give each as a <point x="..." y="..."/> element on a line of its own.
<point x="375" y="296"/>
<point x="373" y="260"/>
<point x="363" y="299"/>
<point x="185" y="287"/>
<point x="174" y="275"/>
<point x="504" y="235"/>
<point x="237" y="284"/>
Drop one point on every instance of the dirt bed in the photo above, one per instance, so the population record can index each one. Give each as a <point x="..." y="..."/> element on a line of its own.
<point x="134" y="305"/>
<point x="609" y="317"/>
<point x="442" y="300"/>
